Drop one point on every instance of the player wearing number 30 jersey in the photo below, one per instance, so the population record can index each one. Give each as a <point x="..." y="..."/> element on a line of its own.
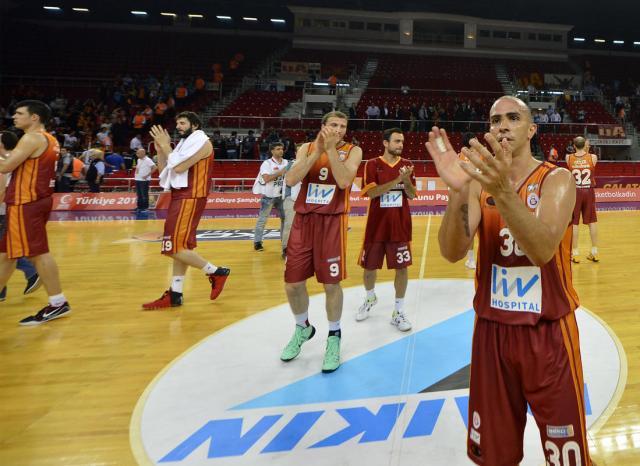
<point x="389" y="183"/>
<point x="317" y="243"/>
<point x="526" y="348"/>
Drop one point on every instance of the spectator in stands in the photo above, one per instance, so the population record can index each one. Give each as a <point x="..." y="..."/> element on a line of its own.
<point x="78" y="170"/>
<point x="385" y="113"/>
<point x="232" y="143"/>
<point x="373" y="111"/>
<point x="71" y="140"/>
<point x="158" y="113"/>
<point x="181" y="93"/>
<point x="249" y="145"/>
<point x="96" y="170"/>
<point x="553" y="154"/>
<point x="218" y="145"/>
<point x="136" y="143"/>
<point x="581" y="116"/>
<point x="289" y="148"/>
<point x="138" y="121"/>
<point x="333" y="82"/>
<point x="404" y="89"/>
<point x="555" y="117"/>
<point x="144" y="170"/>
<point x="64" y="171"/>
<point x="269" y="184"/>
<point x="353" y="112"/>
<point x="423" y="117"/>
<point x="114" y="162"/>
<point x="544" y="120"/>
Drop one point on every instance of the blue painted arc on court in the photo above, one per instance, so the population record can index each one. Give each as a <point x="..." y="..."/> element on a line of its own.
<point x="435" y="353"/>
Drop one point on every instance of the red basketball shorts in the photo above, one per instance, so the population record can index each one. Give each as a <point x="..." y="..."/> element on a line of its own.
<point x="585" y="205"/>
<point x="516" y="365"/>
<point x="317" y="245"/>
<point x="398" y="255"/>
<point x="181" y="224"/>
<point x="26" y="229"/>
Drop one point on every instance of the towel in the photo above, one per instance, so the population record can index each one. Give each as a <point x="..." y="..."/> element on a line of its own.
<point x="185" y="149"/>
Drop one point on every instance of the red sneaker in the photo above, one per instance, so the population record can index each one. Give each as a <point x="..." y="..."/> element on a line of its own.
<point x="217" y="280"/>
<point x="168" y="299"/>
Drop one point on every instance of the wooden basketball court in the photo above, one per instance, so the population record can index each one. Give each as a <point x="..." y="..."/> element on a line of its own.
<point x="68" y="388"/>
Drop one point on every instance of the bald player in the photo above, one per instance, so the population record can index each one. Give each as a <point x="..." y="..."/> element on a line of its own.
<point x="525" y="347"/>
<point x="33" y="166"/>
<point x="582" y="165"/>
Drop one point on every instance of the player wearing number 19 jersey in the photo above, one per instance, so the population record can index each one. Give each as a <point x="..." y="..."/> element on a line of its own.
<point x="389" y="183"/>
<point x="317" y="243"/>
<point x="525" y="347"/>
<point x="582" y="166"/>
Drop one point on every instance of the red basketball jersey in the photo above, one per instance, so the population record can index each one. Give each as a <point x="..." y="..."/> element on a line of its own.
<point x="388" y="215"/>
<point x="199" y="181"/>
<point x="35" y="178"/>
<point x="510" y="289"/>
<point x="583" y="170"/>
<point x="319" y="191"/>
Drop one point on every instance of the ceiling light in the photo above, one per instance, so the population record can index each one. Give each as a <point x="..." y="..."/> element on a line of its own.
<point x="470" y="36"/>
<point x="223" y="17"/>
<point x="138" y="12"/>
<point x="54" y="8"/>
<point x="636" y="43"/>
<point x="618" y="42"/>
<point x="195" y="15"/>
<point x="164" y="13"/>
<point x="578" y="39"/>
<point x="249" y="18"/>
<point x="599" y="41"/>
<point x="84" y="10"/>
<point x="277" y="20"/>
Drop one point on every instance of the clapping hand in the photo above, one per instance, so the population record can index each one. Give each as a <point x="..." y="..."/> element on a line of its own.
<point x="405" y="174"/>
<point x="490" y="170"/>
<point x="446" y="160"/>
<point x="160" y="135"/>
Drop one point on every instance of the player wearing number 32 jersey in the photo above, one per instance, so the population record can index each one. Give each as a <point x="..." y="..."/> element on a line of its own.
<point x="389" y="183"/>
<point x="318" y="239"/>
<point x="187" y="172"/>
<point x="525" y="347"/>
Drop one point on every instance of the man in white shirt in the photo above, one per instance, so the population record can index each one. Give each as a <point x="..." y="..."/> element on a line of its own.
<point x="136" y="143"/>
<point x="269" y="184"/>
<point x="144" y="169"/>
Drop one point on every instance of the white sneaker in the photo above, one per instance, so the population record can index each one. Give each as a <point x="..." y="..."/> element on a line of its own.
<point x="400" y="320"/>
<point x="470" y="264"/>
<point x="363" y="312"/>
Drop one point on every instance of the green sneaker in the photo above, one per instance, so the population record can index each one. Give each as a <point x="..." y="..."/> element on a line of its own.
<point x="332" y="355"/>
<point x="301" y="335"/>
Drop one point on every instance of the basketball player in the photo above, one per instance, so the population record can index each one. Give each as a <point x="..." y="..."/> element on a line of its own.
<point x="582" y="165"/>
<point x="389" y="183"/>
<point x="193" y="155"/>
<point x="33" y="166"/>
<point x="525" y="346"/>
<point x="318" y="239"/>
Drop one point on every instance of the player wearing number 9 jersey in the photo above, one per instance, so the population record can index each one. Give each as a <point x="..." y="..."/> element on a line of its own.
<point x="317" y="242"/>
<point x="525" y="348"/>
<point x="389" y="183"/>
<point x="193" y="155"/>
<point x="582" y="166"/>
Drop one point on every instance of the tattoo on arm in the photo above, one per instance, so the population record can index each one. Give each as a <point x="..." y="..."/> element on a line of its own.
<point x="465" y="218"/>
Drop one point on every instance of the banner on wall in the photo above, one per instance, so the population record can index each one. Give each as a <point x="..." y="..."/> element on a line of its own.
<point x="247" y="200"/>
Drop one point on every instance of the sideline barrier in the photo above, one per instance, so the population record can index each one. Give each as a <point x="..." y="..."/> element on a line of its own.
<point x="245" y="200"/>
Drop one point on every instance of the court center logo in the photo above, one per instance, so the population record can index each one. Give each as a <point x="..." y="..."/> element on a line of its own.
<point x="397" y="399"/>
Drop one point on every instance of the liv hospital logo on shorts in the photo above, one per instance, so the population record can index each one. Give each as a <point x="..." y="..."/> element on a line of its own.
<point x="398" y="398"/>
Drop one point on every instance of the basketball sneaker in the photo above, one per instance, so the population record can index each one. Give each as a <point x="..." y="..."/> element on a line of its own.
<point x="575" y="259"/>
<point x="217" y="280"/>
<point x="168" y="299"/>
<point x="593" y="258"/>
<point x="257" y="246"/>
<point x="300" y="336"/>
<point x="400" y="320"/>
<point x="363" y="311"/>
<point x="3" y="294"/>
<point x="470" y="264"/>
<point x="46" y="314"/>
<point x="33" y="283"/>
<point x="331" y="360"/>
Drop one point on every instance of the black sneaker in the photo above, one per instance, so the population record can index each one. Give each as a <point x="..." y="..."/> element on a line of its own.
<point x="3" y="294"/>
<point x="258" y="246"/>
<point x="284" y="253"/>
<point x="46" y="314"/>
<point x="33" y="283"/>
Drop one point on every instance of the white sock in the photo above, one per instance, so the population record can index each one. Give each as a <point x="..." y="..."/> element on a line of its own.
<point x="177" y="284"/>
<point x="209" y="268"/>
<point x="57" y="300"/>
<point x="399" y="304"/>
<point x="333" y="326"/>
<point x="371" y="294"/>
<point x="470" y="255"/>
<point x="594" y="250"/>
<point x="301" y="319"/>
<point x="575" y="252"/>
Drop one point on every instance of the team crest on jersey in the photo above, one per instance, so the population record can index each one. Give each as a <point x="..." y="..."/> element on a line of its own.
<point x="533" y="200"/>
<point x="532" y="187"/>
<point x="342" y="155"/>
